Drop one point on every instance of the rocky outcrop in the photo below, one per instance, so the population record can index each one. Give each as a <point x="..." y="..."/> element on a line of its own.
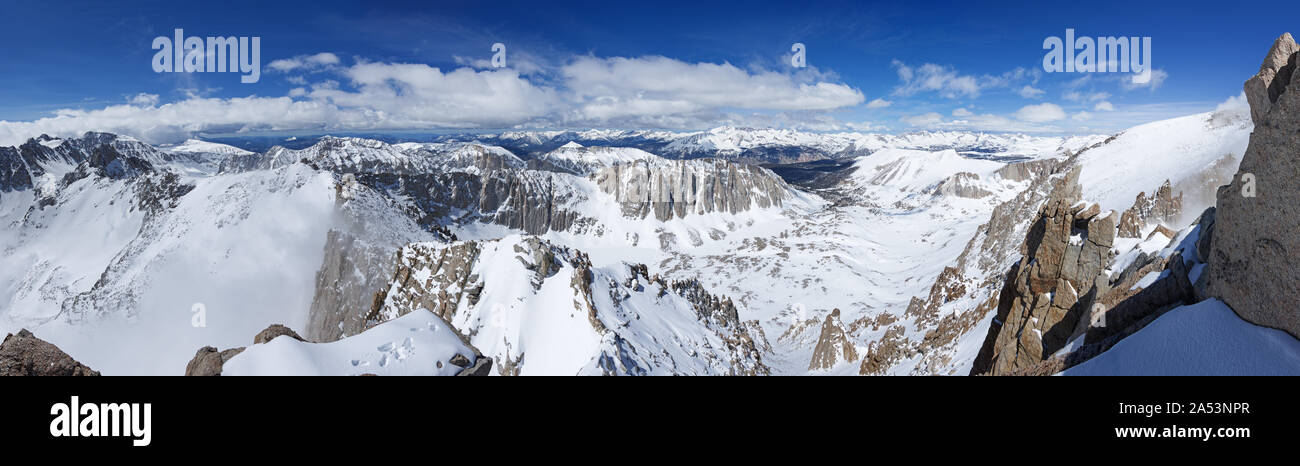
<point x="428" y="277"/>
<point x="1255" y="250"/>
<point x="833" y="346"/>
<point x="962" y="184"/>
<point x="670" y="189"/>
<point x="885" y="352"/>
<point x="1275" y="74"/>
<point x="452" y="280"/>
<point x="1027" y="170"/>
<point x="24" y="354"/>
<point x="1161" y="208"/>
<point x="1061" y="272"/>
<point x="208" y="361"/>
<point x="274" y="331"/>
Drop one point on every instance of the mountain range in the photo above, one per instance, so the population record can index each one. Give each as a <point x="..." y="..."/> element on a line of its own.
<point x="730" y="251"/>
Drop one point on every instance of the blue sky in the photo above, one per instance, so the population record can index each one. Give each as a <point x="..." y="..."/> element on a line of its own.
<point x="692" y="65"/>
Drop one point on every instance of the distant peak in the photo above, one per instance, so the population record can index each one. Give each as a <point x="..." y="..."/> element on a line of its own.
<point x="571" y="145"/>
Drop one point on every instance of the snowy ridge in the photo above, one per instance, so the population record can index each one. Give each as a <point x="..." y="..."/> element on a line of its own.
<point x="418" y="343"/>
<point x="580" y="160"/>
<point x="539" y="309"/>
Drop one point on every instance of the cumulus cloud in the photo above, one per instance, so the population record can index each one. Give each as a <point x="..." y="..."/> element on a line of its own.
<point x="603" y="89"/>
<point x="304" y="62"/>
<point x="523" y="62"/>
<point x="649" y="91"/>
<point x="1103" y="106"/>
<point x="417" y="95"/>
<point x="1040" y="113"/>
<point x="961" y="112"/>
<point x="144" y="99"/>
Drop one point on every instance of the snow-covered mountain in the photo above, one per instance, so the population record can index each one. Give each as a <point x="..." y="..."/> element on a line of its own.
<point x="605" y="252"/>
<point x="767" y="145"/>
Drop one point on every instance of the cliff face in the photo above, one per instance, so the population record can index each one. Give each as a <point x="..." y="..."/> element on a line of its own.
<point x="676" y="188"/>
<point x="1255" y="248"/>
<point x="441" y="183"/>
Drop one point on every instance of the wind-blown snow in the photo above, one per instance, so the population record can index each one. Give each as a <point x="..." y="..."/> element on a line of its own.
<point x="1141" y="158"/>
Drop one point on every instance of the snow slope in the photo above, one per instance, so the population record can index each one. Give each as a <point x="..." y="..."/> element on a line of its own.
<point x="1206" y="338"/>
<point x="418" y="343"/>
<point x="1181" y="150"/>
<point x="118" y="288"/>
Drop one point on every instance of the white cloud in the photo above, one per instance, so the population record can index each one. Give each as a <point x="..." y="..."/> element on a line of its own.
<point x="1040" y="113"/>
<point x="304" y="62"/>
<point x="651" y="92"/>
<point x="523" y="62"/>
<point x="1076" y="96"/>
<point x="1083" y="115"/>
<point x="1157" y="78"/>
<point x="925" y="119"/>
<point x="604" y="89"/>
<point x="977" y="122"/>
<point x="931" y="77"/>
<point x="1103" y="106"/>
<point x="1030" y="92"/>
<point x="949" y="83"/>
<point x="879" y="103"/>
<point x="144" y="100"/>
<point x="961" y="112"/>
